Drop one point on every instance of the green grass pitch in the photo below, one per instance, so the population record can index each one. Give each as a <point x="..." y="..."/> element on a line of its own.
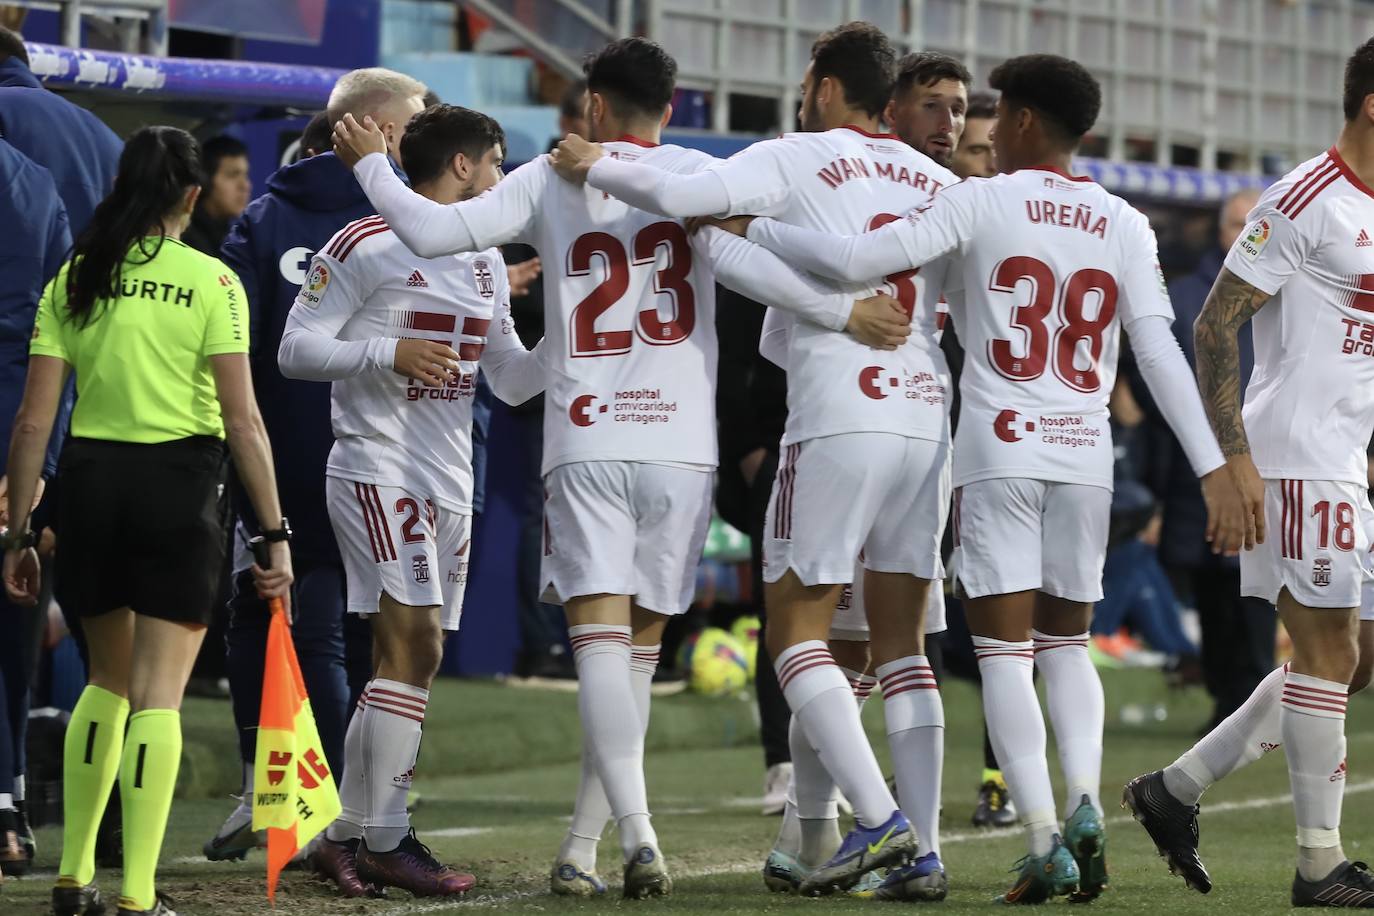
<point x="498" y="771"/>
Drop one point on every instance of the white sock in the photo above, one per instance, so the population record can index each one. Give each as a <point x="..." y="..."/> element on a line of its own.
<point x="822" y="700"/>
<point x="19" y="788"/>
<point x="916" y="733"/>
<point x="1313" y="723"/>
<point x="1246" y="735"/>
<point x="392" y="724"/>
<point x="6" y="801"/>
<point x="1017" y="729"/>
<point x="352" y="789"/>
<point x="810" y="823"/>
<point x="611" y="726"/>
<point x="591" y="810"/>
<point x="1077" y="711"/>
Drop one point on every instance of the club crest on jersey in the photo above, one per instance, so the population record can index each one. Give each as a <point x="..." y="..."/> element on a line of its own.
<point x="419" y="568"/>
<point x="483" y="278"/>
<point x="1321" y="572"/>
<point x="584" y="409"/>
<point x="315" y="284"/>
<point x="873" y="379"/>
<point x="1254" y="239"/>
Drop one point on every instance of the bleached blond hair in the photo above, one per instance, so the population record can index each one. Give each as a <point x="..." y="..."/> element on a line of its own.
<point x="366" y="91"/>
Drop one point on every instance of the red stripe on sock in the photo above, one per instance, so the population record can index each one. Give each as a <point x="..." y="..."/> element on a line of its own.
<point x="898" y="691"/>
<point x="396" y="712"/>
<point x="801" y="657"/>
<point x="1343" y="694"/>
<point x="785" y="679"/>
<point x="1295" y="704"/>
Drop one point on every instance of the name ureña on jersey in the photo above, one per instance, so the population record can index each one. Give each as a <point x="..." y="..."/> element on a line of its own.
<point x="1066" y="216"/>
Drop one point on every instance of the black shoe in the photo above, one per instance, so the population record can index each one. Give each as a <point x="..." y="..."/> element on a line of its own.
<point x="1350" y="885"/>
<point x="1171" y="824"/>
<point x="13" y="860"/>
<point x="161" y="907"/>
<point x="555" y="664"/>
<point x="994" y="807"/>
<point x="26" y="839"/>
<point x="72" y="899"/>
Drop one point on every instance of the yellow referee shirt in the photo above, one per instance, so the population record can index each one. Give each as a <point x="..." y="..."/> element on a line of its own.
<point x="142" y="363"/>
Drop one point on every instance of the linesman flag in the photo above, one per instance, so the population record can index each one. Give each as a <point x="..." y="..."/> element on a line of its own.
<point x="294" y="796"/>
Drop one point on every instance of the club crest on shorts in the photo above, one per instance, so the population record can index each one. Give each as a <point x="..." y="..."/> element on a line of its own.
<point x="483" y="278"/>
<point x="1321" y="571"/>
<point x="419" y="568"/>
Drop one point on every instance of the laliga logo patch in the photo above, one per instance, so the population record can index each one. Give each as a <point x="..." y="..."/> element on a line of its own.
<point x="1255" y="238"/>
<point x="872" y="380"/>
<point x="1321" y="572"/>
<point x="315" y="284"/>
<point x="584" y="408"/>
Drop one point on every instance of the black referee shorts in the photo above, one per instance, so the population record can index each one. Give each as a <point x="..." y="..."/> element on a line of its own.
<point x="142" y="526"/>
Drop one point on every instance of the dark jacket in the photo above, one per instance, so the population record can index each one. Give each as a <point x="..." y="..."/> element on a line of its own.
<point x="205" y="233"/>
<point x="74" y="145"/>
<point x="1183" y="536"/>
<point x="38" y="242"/>
<point x="270" y="246"/>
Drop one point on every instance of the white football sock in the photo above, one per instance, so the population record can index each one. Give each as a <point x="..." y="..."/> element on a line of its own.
<point x="1017" y="729"/>
<point x="392" y="722"/>
<point x="916" y="734"/>
<point x="1245" y="736"/>
<point x="811" y="829"/>
<point x="352" y="792"/>
<point x="6" y="801"/>
<point x="822" y="700"/>
<point x="1077" y="710"/>
<point x="1313" y="723"/>
<point x="611" y="726"/>
<point x="591" y="811"/>
<point x="19" y="788"/>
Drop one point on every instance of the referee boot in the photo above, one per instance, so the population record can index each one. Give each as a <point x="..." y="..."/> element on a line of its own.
<point x="162" y="906"/>
<point x="72" y="898"/>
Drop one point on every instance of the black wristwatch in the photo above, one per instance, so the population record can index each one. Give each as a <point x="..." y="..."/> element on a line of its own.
<point x="278" y="534"/>
<point x="18" y="540"/>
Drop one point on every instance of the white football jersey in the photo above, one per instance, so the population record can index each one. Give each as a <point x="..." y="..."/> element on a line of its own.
<point x="1309" y="405"/>
<point x="848" y="181"/>
<point x="1048" y="269"/>
<point x="366" y="285"/>
<point x="629" y="304"/>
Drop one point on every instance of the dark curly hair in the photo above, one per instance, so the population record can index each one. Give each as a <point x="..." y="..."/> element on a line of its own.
<point x="1060" y="90"/>
<point x="926" y="68"/>
<point x="437" y="134"/>
<point x="635" y="72"/>
<point x="859" y="55"/>
<point x="1359" y="79"/>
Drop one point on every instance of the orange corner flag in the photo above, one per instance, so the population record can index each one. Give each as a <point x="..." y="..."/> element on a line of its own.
<point x="294" y="796"/>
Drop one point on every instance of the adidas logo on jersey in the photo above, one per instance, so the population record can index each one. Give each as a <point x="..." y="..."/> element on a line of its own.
<point x="1362" y="240"/>
<point x="417" y="279"/>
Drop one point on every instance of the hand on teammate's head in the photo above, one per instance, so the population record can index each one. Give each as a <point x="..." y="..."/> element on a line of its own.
<point x="353" y="141"/>
<point x="574" y="157"/>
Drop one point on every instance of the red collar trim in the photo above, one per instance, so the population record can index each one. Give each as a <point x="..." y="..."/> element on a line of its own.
<point x="626" y="138"/>
<point x="866" y="133"/>
<point x="1349" y="173"/>
<point x="1060" y="172"/>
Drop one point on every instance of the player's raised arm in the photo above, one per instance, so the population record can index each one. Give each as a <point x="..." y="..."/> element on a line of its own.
<point x="877" y="321"/>
<point x="428" y="228"/>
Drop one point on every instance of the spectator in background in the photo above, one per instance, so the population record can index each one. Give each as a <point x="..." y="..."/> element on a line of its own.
<point x="37" y="243"/>
<point x="224" y="196"/>
<point x="974" y="157"/>
<point x="572" y="110"/>
<point x="1237" y="633"/>
<point x="315" y="139"/>
<point x="269" y="247"/>
<point x="74" y="145"/>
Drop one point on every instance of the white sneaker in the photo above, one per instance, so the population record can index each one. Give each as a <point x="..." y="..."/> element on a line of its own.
<point x="235" y="836"/>
<point x="775" y="785"/>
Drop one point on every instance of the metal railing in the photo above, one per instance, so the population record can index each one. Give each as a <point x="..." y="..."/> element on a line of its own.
<point x="130" y="26"/>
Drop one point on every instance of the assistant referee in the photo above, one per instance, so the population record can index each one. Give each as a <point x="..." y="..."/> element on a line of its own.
<point x="157" y="335"/>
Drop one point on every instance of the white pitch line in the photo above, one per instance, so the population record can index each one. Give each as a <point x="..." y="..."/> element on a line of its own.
<point x="744" y="868"/>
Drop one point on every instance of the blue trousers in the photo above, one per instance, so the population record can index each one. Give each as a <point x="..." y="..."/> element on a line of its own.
<point x="16" y="675"/>
<point x="1136" y="589"/>
<point x="331" y="664"/>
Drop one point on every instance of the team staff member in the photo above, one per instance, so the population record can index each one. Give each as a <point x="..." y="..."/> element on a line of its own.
<point x="157" y="336"/>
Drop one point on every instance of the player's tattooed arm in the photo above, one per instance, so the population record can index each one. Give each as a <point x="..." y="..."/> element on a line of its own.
<point x="1230" y="304"/>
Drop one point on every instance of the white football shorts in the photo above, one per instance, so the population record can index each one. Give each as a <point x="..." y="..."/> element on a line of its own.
<point x="836" y="497"/>
<point x="625" y="528"/>
<point x="397" y="541"/>
<point x="1014" y="534"/>
<point x="851" y="620"/>
<point x="1316" y="544"/>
